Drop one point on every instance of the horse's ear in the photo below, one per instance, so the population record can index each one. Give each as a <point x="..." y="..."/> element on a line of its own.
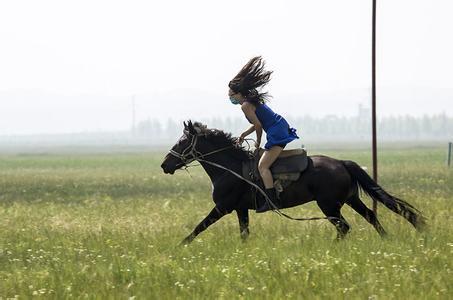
<point x="190" y="128"/>
<point x="185" y="130"/>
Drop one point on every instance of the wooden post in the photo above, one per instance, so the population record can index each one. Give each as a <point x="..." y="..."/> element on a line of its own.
<point x="450" y="148"/>
<point x="373" y="98"/>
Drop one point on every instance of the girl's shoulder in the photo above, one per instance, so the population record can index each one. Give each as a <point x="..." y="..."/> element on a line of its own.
<point x="247" y="105"/>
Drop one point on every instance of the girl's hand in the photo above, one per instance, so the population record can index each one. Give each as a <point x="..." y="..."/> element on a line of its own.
<point x="257" y="144"/>
<point x="240" y="140"/>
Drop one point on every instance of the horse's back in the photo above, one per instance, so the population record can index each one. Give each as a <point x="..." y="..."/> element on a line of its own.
<point x="327" y="174"/>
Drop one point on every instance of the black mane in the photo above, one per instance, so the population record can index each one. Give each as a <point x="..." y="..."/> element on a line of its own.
<point x="223" y="139"/>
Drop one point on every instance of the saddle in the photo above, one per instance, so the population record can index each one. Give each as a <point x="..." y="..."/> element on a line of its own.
<point x="285" y="170"/>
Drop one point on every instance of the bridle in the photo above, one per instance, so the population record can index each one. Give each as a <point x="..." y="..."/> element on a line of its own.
<point x="190" y="153"/>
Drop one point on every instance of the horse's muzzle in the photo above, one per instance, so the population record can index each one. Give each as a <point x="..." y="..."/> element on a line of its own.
<point x="167" y="169"/>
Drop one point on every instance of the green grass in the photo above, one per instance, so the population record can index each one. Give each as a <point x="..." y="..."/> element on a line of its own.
<point x="108" y="226"/>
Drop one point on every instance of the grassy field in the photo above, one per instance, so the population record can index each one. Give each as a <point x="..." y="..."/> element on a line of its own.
<point x="108" y="225"/>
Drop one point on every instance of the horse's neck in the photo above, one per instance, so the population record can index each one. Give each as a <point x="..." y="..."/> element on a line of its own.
<point x="222" y="159"/>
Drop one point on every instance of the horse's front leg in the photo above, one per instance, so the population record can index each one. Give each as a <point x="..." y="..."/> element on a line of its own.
<point x="243" y="217"/>
<point x="211" y="218"/>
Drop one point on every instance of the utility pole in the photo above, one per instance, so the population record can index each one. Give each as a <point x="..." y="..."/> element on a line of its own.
<point x="373" y="98"/>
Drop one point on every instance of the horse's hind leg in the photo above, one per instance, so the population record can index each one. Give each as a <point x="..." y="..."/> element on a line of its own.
<point x="365" y="212"/>
<point x="332" y="209"/>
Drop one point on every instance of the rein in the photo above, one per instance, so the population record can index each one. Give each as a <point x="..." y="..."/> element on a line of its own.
<point x="196" y="155"/>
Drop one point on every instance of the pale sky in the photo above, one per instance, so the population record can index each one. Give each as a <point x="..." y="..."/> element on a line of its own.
<point x="80" y="51"/>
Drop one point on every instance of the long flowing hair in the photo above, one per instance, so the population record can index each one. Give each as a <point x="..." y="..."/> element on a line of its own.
<point x="251" y="79"/>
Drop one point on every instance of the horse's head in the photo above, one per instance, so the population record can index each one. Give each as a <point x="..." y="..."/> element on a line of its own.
<point x="184" y="152"/>
<point x="200" y="143"/>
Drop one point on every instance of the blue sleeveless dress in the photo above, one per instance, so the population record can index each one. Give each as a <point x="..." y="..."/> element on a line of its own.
<point x="278" y="131"/>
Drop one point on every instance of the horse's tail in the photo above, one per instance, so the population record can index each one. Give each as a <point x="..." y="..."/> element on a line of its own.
<point x="372" y="189"/>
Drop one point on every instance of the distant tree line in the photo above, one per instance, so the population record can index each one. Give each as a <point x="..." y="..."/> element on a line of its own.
<point x="327" y="128"/>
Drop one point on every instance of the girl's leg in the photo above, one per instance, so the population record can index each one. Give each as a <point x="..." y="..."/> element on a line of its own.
<point x="291" y="152"/>
<point x="264" y="164"/>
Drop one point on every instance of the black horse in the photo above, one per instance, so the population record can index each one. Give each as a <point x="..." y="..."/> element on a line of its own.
<point x="328" y="181"/>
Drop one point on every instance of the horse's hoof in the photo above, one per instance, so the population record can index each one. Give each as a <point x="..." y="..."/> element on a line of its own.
<point x="383" y="235"/>
<point x="244" y="238"/>
<point x="186" y="241"/>
<point x="340" y="238"/>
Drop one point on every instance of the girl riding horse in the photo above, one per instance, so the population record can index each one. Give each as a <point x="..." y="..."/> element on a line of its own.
<point x="243" y="91"/>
